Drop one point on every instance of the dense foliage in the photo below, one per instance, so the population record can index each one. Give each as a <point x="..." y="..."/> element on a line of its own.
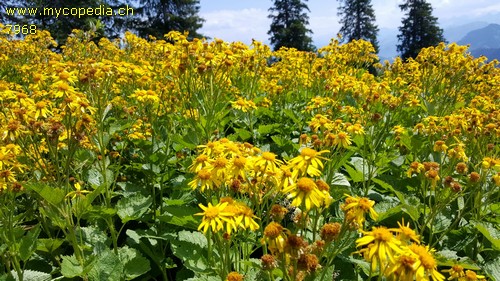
<point x="205" y="160"/>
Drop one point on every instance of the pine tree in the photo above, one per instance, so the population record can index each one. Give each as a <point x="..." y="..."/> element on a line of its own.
<point x="162" y="16"/>
<point x="358" y="21"/>
<point x="289" y="25"/>
<point x="419" y="29"/>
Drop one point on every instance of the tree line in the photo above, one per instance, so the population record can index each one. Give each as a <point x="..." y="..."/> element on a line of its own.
<point x="289" y="21"/>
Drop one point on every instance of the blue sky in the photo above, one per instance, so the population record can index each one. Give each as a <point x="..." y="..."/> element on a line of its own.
<point x="244" y="20"/>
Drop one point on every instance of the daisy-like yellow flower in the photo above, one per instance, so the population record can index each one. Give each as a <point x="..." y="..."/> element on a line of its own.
<point x="415" y="168"/>
<point x="355" y="209"/>
<point x="267" y="161"/>
<point x="77" y="192"/>
<point x="214" y="217"/>
<point x="456" y="272"/>
<point x="406" y="234"/>
<point x="309" y="161"/>
<point x="243" y="104"/>
<point x="380" y="246"/>
<point x="471" y="276"/>
<point x="200" y="162"/>
<point x="426" y="265"/>
<point x="343" y="140"/>
<point x="242" y="214"/>
<point x="403" y="267"/>
<point x="496" y="179"/>
<point x="305" y="193"/>
<point x="275" y="237"/>
<point x="204" y="180"/>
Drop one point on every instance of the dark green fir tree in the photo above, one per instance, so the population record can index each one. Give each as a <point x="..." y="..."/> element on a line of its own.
<point x="357" y="18"/>
<point x="419" y="28"/>
<point x="289" y="25"/>
<point x="159" y="17"/>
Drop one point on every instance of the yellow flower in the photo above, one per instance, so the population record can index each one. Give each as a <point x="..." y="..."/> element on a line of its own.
<point x="381" y="247"/>
<point x="406" y="234"/>
<point x="309" y="161"/>
<point x="305" y="193"/>
<point x="214" y="217"/>
<point x="415" y="168"/>
<point x="343" y="140"/>
<point x="275" y="237"/>
<point x="234" y="276"/>
<point x="456" y="272"/>
<point x="426" y="264"/>
<point x="472" y="276"/>
<point x="78" y="191"/>
<point x="267" y="161"/>
<point x="200" y="162"/>
<point x="440" y="146"/>
<point x="355" y="209"/>
<point x="204" y="180"/>
<point x="496" y="179"/>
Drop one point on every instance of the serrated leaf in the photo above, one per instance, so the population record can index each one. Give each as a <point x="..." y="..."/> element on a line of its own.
<point x="492" y="268"/>
<point x="355" y="175"/>
<point x="28" y="244"/>
<point x="180" y="216"/>
<point x="33" y="275"/>
<point x="340" y="179"/>
<point x="50" y="194"/>
<point x="49" y="244"/>
<point x="70" y="267"/>
<point x="134" y="263"/>
<point x="489" y="233"/>
<point x="243" y="134"/>
<point x="267" y="129"/>
<point x="132" y="208"/>
<point x="107" y="267"/>
<point x="190" y="247"/>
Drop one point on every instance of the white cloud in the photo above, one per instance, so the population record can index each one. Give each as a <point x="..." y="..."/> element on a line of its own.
<point x="236" y="25"/>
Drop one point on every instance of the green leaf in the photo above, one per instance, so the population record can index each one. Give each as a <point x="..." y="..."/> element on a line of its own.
<point x="50" y="194"/>
<point x="492" y="268"/>
<point x="243" y="134"/>
<point x="384" y="185"/>
<point x="33" y="275"/>
<point x="28" y="244"/>
<point x="267" y="129"/>
<point x="70" y="267"/>
<point x="191" y="248"/>
<point x="355" y="175"/>
<point x="180" y="216"/>
<point x="490" y="233"/>
<point x="132" y="208"/>
<point x="134" y="263"/>
<point x="107" y="267"/>
<point x="49" y="244"/>
<point x="340" y="179"/>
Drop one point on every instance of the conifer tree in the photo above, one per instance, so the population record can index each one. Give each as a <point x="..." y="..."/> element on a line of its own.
<point x="357" y="18"/>
<point x="419" y="28"/>
<point x="159" y="17"/>
<point x="289" y="25"/>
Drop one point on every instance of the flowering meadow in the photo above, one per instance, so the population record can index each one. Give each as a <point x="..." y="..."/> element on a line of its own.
<point x="169" y="159"/>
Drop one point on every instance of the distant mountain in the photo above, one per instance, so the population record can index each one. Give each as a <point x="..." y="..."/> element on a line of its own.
<point x="484" y="41"/>
<point x="456" y="32"/>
